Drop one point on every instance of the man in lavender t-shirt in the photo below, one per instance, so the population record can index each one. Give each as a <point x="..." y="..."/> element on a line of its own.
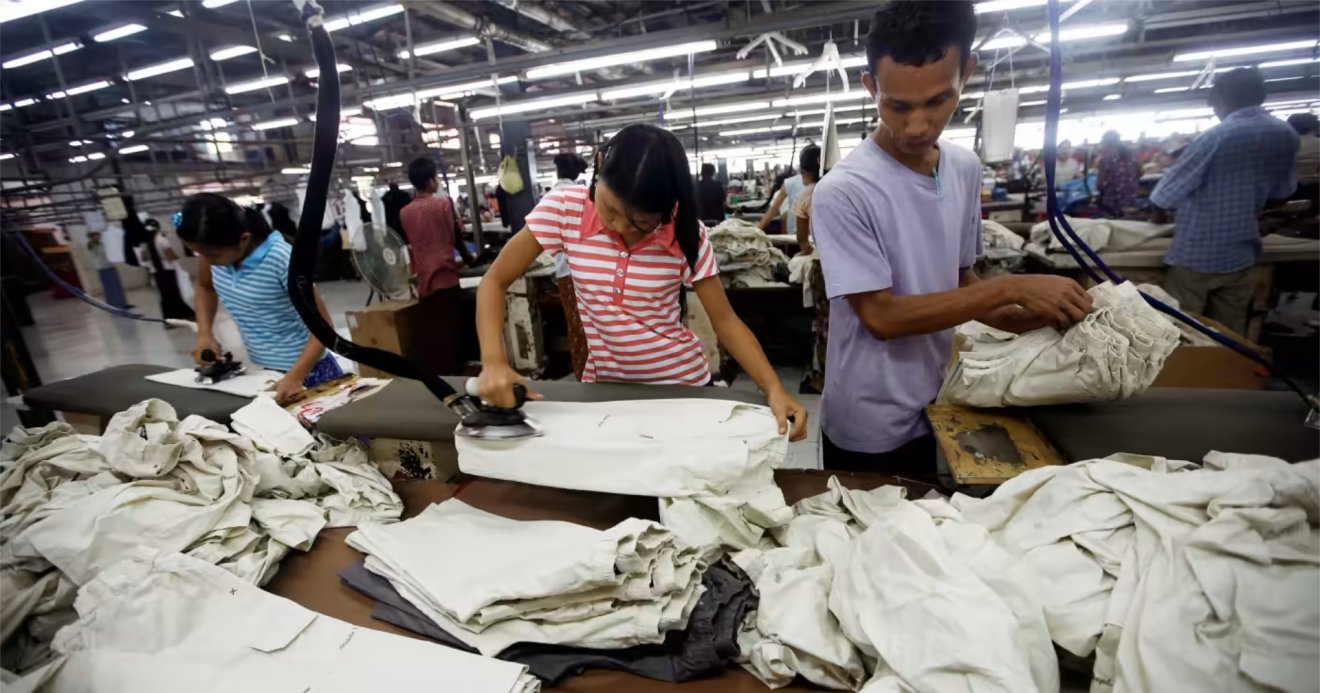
<point x="898" y="227"/>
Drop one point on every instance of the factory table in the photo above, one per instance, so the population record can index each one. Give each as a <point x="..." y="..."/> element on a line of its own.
<point x="106" y="393"/>
<point x="312" y="579"/>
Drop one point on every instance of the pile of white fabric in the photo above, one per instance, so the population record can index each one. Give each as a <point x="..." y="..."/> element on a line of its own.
<point x="710" y="462"/>
<point x="72" y="505"/>
<point x="871" y="591"/>
<point x="536" y="582"/>
<point x="1101" y="234"/>
<point x="742" y="241"/>
<point x="170" y="622"/>
<point x="1178" y="577"/>
<point x="1114" y="352"/>
<point x="1001" y="247"/>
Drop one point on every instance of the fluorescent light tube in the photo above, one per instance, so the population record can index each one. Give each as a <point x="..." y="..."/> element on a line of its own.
<point x="512" y="107"/>
<point x="1113" y="97"/>
<point x="256" y="84"/>
<point x="228" y="52"/>
<point x="368" y="15"/>
<point x="135" y="149"/>
<point x="1244" y="50"/>
<point x="1025" y="104"/>
<point x="1172" y="90"/>
<point x="159" y="69"/>
<point x="677" y="85"/>
<point x="17" y="9"/>
<point x="1005" y="5"/>
<point x="45" y="54"/>
<point x="686" y="113"/>
<point x="441" y="46"/>
<point x="1080" y="33"/>
<point x="854" y="94"/>
<point x="573" y="66"/>
<point x="118" y="33"/>
<point x="1285" y="63"/>
<point x="212" y="4"/>
<point x="24" y="103"/>
<point x="6" y="156"/>
<point x="315" y="72"/>
<point x="78" y="160"/>
<point x="271" y="124"/>
<point x="295" y="171"/>
<point x="1155" y="76"/>
<point x="81" y="89"/>
<point x="753" y="131"/>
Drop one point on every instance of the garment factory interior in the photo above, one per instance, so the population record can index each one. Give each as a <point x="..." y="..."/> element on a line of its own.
<point x="587" y="345"/>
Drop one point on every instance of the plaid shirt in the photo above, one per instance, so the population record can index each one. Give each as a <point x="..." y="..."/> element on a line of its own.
<point x="1219" y="186"/>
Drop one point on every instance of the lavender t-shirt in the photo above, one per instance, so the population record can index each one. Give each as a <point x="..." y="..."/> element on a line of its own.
<point x="880" y="225"/>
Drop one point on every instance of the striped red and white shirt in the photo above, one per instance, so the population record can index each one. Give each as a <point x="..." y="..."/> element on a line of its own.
<point x="627" y="297"/>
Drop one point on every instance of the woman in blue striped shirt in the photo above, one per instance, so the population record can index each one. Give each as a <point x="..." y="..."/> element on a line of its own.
<point x="246" y="267"/>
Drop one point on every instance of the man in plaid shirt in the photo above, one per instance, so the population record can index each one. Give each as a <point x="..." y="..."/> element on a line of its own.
<point x="1219" y="186"/>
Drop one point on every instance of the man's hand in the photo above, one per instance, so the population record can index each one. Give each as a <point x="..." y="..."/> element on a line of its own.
<point x="495" y="385"/>
<point x="205" y="342"/>
<point x="1058" y="301"/>
<point x="784" y="408"/>
<point x="287" y="388"/>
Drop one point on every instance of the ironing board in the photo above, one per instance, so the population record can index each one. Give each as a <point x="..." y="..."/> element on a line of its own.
<point x="105" y="393"/>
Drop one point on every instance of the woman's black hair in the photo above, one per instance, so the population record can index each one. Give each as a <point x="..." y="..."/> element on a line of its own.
<point x="648" y="169"/>
<point x="217" y="221"/>
<point x="809" y="160"/>
<point x="569" y="165"/>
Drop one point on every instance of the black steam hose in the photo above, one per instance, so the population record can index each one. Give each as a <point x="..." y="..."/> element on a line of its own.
<point x="302" y="261"/>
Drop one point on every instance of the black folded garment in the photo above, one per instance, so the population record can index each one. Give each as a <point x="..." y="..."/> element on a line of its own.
<point x="706" y="647"/>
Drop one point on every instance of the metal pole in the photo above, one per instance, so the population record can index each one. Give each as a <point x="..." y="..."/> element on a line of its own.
<point x="59" y="75"/>
<point x="474" y="211"/>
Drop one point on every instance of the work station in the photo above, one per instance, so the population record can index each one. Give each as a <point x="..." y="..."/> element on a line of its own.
<point x="502" y="347"/>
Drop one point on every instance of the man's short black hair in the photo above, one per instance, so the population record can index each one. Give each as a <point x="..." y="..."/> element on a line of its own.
<point x="708" y="170"/>
<point x="916" y="32"/>
<point x="421" y="171"/>
<point x="1239" y="88"/>
<point x="569" y="165"/>
<point x="809" y="160"/>
<point x="1304" y="123"/>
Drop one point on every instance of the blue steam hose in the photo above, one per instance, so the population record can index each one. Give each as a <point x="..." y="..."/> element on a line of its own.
<point x="1078" y="248"/>
<point x="77" y="292"/>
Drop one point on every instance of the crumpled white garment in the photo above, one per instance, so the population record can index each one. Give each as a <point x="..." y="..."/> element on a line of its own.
<point x="271" y="428"/>
<point x="742" y="241"/>
<point x="711" y="462"/>
<point x="71" y="505"/>
<point x="171" y="622"/>
<point x="1176" y="577"/>
<point x="1002" y="248"/>
<point x="1103" y="234"/>
<point x="1116" y="351"/>
<point x="545" y="581"/>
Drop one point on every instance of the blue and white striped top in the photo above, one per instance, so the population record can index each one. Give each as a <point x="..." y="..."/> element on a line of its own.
<point x="256" y="292"/>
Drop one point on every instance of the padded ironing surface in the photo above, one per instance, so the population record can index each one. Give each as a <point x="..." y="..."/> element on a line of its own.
<point x="1182" y="424"/>
<point x="405" y="410"/>
<point x="108" y="392"/>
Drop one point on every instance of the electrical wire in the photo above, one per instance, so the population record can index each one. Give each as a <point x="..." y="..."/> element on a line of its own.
<point x="1072" y="242"/>
<point x="75" y="291"/>
<point x="302" y="261"/>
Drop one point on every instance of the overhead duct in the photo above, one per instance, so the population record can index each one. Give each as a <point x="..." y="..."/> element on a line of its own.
<point x="463" y="19"/>
<point x="541" y="15"/>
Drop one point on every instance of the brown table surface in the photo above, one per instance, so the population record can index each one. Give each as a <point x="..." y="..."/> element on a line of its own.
<point x="312" y="578"/>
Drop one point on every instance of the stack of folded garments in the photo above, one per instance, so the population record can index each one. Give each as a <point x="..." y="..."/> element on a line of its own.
<point x="1114" y="352"/>
<point x="536" y="582"/>
<point x="741" y="241"/>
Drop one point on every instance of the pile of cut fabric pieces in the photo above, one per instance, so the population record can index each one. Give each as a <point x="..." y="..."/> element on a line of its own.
<point x="738" y="241"/>
<point x="1001" y="248"/>
<point x="1116" y="351"/>
<point x="1100" y="234"/>
<point x="75" y="505"/>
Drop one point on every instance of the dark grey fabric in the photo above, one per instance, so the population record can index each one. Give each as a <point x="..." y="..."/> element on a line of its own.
<point x="709" y="644"/>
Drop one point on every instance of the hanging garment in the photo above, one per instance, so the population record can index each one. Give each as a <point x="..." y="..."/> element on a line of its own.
<point x="625" y="586"/>
<point x="706" y="647"/>
<point x="168" y="622"/>
<point x="1102" y="234"/>
<point x="1116" y="351"/>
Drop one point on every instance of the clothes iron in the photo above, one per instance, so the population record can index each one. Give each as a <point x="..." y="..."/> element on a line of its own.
<point x="214" y="370"/>
<point x="482" y="421"/>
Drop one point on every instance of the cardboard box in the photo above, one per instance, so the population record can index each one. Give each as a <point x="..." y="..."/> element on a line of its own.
<point x="1212" y="366"/>
<point x="387" y="326"/>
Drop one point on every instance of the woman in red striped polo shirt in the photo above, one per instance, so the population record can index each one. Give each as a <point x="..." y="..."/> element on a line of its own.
<point x="631" y="239"/>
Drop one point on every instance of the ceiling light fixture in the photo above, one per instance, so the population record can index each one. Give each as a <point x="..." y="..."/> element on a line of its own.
<point x="175" y="13"/>
<point x="370" y="14"/>
<point x="572" y="66"/>
<point x="6" y="156"/>
<point x="801" y="66"/>
<point x="313" y="73"/>
<point x="753" y="131"/>
<point x="1245" y="50"/>
<point x="228" y="52"/>
<point x="17" y="9"/>
<point x="159" y="69"/>
<point x="512" y="107"/>
<point x="440" y="47"/>
<point x="1285" y="63"/>
<point x="38" y="56"/>
<point x="1006" y="5"/>
<point x="855" y="94"/>
<point x="135" y="149"/>
<point x="1155" y="76"/>
<point x="78" y="160"/>
<point x="118" y="33"/>
<point x="687" y="113"/>
<point x="1079" y="33"/>
<point x="24" y="103"/>
<point x="254" y="85"/>
<point x="295" y="170"/>
<point x="1113" y="97"/>
<point x="6" y="107"/>
<point x="272" y="124"/>
<point x="212" y="4"/>
<point x="671" y="85"/>
<point x="1026" y="104"/>
<point x="1172" y="90"/>
<point x="81" y="89"/>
